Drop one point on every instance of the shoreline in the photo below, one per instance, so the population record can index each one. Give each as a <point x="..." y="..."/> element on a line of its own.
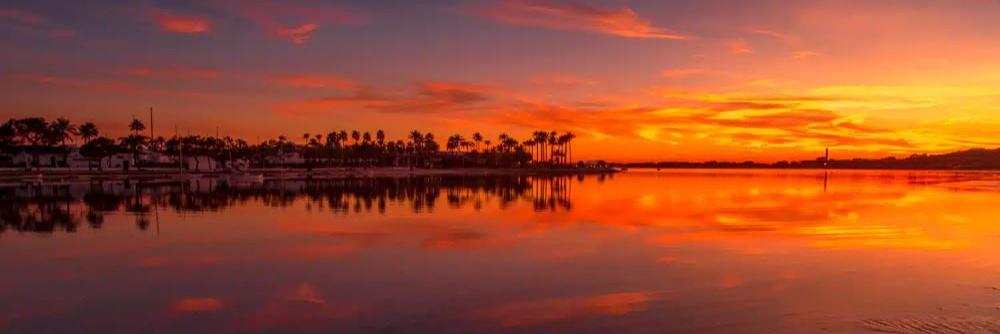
<point x="261" y="174"/>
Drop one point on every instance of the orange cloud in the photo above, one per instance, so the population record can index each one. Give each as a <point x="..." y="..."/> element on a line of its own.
<point x="785" y="38"/>
<point x="430" y="96"/>
<point x="576" y="16"/>
<point x="532" y="312"/>
<point x="197" y="304"/>
<point x="681" y="72"/>
<point x="739" y="46"/>
<point x="179" y="23"/>
<point x="803" y="54"/>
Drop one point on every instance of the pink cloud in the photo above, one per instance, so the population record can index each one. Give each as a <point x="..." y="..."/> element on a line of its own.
<point x="22" y="17"/>
<point x="179" y="23"/>
<point x="292" y="22"/>
<point x="314" y="81"/>
<point x="298" y="35"/>
<point x="576" y="16"/>
<point x="785" y="38"/>
<point x="172" y="72"/>
<point x="36" y="22"/>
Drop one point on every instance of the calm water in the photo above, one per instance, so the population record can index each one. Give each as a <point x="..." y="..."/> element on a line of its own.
<point x="640" y="252"/>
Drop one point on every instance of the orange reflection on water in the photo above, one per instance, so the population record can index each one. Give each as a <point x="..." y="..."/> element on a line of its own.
<point x="738" y="251"/>
<point x="531" y="312"/>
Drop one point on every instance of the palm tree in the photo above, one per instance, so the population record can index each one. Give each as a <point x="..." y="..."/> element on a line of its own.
<point x="551" y="144"/>
<point x="305" y="138"/>
<point x="33" y="131"/>
<point x="88" y="131"/>
<point x="478" y="138"/>
<point x="541" y="138"/>
<point x="356" y="136"/>
<point x="60" y="130"/>
<point x="569" y="145"/>
<point x="417" y="139"/>
<point x="532" y="145"/>
<point x="430" y="145"/>
<point x="453" y="142"/>
<point x="380" y="138"/>
<point x="502" y="140"/>
<point x="136" y="126"/>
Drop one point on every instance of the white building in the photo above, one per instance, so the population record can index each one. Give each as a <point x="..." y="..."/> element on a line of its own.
<point x="202" y="163"/>
<point x="289" y="158"/>
<point x="45" y="159"/>
<point x="118" y="161"/>
<point x="156" y="158"/>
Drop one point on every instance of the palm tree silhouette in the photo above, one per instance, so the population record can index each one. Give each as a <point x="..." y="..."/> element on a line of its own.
<point x="136" y="126"/>
<point x="380" y="138"/>
<point x="88" y="131"/>
<point x="478" y="138"/>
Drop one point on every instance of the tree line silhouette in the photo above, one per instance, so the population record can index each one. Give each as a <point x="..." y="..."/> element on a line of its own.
<point x="337" y="148"/>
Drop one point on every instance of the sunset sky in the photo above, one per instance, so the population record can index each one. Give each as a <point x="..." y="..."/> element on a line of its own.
<point x="635" y="80"/>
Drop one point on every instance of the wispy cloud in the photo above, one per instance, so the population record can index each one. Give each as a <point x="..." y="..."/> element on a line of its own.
<point x="108" y="86"/>
<point x="803" y="54"/>
<point x="172" y="72"/>
<point x="739" y="46"/>
<point x="561" y="80"/>
<point x="293" y="22"/>
<point x="576" y="16"/>
<point x="298" y="35"/>
<point x="314" y="81"/>
<point x="676" y="73"/>
<point x="429" y="96"/>
<point x="180" y="23"/>
<point x="783" y="37"/>
<point x="34" y="21"/>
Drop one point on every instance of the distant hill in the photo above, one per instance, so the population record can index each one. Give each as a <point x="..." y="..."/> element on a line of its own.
<point x="974" y="159"/>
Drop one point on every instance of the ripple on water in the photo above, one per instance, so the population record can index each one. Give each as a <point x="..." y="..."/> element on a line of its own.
<point x="933" y="325"/>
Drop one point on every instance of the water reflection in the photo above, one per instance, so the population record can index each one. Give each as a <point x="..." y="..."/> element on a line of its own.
<point x="46" y="208"/>
<point x="671" y="251"/>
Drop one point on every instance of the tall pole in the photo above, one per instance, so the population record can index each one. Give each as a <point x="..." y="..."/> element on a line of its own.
<point x="826" y="159"/>
<point x="151" y="136"/>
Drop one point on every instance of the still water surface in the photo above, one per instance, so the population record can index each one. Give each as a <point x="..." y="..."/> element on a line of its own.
<point x="684" y="251"/>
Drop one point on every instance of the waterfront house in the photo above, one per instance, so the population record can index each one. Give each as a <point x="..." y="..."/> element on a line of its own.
<point x="202" y="163"/>
<point x="46" y="157"/>
<point x="118" y="161"/>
